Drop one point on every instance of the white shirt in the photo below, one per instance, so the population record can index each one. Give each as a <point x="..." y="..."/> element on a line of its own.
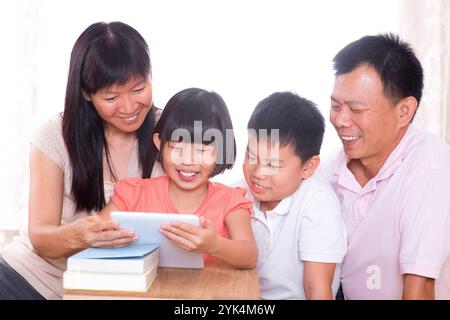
<point x="306" y="226"/>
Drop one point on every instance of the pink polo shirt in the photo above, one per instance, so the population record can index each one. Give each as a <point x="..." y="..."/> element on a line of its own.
<point x="399" y="222"/>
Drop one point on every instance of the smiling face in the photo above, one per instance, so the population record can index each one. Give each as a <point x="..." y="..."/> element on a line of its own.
<point x="188" y="165"/>
<point x="369" y="125"/>
<point x="123" y="108"/>
<point x="273" y="172"/>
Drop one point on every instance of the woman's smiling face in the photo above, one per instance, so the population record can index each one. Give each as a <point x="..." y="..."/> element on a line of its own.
<point x="123" y="108"/>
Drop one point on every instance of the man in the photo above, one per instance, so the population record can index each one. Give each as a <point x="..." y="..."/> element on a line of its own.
<point x="392" y="179"/>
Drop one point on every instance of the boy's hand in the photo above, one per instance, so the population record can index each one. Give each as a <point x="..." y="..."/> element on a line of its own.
<point x="203" y="238"/>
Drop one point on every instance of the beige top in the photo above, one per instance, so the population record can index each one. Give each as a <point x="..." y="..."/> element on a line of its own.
<point x="45" y="274"/>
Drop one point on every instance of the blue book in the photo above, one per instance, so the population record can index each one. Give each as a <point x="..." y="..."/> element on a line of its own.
<point x="130" y="259"/>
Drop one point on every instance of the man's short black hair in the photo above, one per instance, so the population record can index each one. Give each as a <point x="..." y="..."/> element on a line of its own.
<point x="300" y="123"/>
<point x="393" y="59"/>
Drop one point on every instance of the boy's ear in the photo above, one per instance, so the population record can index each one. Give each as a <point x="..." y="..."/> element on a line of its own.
<point x="310" y="166"/>
<point x="157" y="141"/>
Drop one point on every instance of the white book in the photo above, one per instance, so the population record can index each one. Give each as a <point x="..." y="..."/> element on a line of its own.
<point x="131" y="259"/>
<point x="138" y="282"/>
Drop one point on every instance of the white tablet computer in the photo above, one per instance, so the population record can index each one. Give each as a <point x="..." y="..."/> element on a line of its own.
<point x="147" y="226"/>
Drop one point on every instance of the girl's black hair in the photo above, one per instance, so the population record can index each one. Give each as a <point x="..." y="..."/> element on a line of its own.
<point x="105" y="54"/>
<point x="197" y="112"/>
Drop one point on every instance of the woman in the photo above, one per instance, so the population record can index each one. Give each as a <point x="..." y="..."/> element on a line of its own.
<point x="104" y="135"/>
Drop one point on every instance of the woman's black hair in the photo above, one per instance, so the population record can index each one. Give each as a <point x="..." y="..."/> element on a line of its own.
<point x="199" y="113"/>
<point x="104" y="55"/>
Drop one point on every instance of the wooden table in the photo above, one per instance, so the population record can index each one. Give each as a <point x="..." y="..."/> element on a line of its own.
<point x="216" y="281"/>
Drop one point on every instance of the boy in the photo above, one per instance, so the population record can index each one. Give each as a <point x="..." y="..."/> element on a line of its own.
<point x="297" y="220"/>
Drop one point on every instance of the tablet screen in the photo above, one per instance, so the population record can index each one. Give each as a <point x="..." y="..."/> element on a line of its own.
<point x="147" y="225"/>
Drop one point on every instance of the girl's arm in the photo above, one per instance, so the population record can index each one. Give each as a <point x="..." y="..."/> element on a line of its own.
<point x="240" y="251"/>
<point x="317" y="280"/>
<point x="48" y="237"/>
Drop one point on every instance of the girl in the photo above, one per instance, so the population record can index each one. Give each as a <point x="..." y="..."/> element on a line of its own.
<point x="194" y="141"/>
<point x="76" y="158"/>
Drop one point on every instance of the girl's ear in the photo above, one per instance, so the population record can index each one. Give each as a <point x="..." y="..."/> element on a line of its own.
<point x="157" y="141"/>
<point x="310" y="166"/>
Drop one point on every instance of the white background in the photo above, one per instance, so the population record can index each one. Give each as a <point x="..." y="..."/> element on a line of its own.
<point x="243" y="50"/>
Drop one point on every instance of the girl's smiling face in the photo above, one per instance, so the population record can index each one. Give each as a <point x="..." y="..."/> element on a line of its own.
<point x="188" y="165"/>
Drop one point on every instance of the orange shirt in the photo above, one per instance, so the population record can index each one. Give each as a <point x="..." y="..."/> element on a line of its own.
<point x="152" y="195"/>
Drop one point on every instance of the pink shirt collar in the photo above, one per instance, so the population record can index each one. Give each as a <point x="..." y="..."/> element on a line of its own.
<point x="348" y="181"/>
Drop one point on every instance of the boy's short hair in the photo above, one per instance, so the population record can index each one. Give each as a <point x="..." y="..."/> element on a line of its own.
<point x="300" y="123"/>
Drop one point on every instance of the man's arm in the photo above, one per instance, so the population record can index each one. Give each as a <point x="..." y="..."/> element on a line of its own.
<point x="416" y="287"/>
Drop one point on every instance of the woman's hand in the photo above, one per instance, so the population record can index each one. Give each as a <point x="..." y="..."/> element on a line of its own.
<point x="202" y="238"/>
<point x="95" y="231"/>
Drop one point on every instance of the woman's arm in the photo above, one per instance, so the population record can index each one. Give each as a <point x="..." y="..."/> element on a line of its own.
<point x="48" y="237"/>
<point x="240" y="251"/>
<point x="317" y="280"/>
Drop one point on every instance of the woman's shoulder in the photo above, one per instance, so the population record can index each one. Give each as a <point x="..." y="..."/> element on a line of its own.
<point x="51" y="126"/>
<point x="48" y="139"/>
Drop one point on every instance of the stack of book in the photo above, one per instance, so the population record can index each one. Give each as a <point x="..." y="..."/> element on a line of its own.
<point x="131" y="268"/>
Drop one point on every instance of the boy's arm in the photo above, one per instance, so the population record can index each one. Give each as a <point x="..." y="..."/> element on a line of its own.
<point x="322" y="237"/>
<point x="317" y="280"/>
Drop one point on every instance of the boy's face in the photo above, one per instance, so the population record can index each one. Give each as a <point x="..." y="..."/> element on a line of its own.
<point x="273" y="172"/>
